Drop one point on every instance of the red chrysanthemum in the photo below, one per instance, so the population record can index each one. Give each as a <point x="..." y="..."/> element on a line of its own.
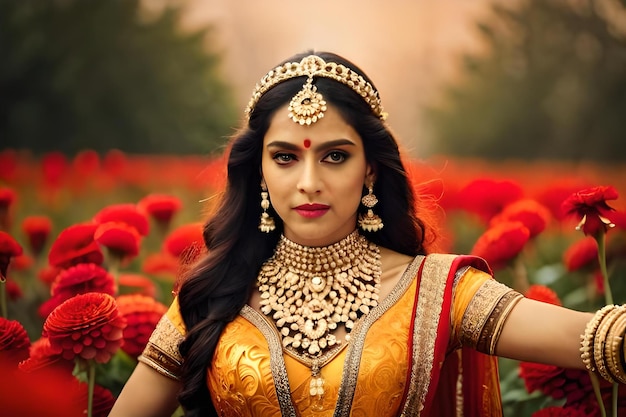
<point x="161" y="207"/>
<point x="42" y="356"/>
<point x="103" y="400"/>
<point x="121" y="239"/>
<point x="75" y="245"/>
<point x="555" y="411"/>
<point x="487" y="197"/>
<point x="161" y="263"/>
<point x="37" y="230"/>
<point x="554" y="194"/>
<point x="544" y="294"/>
<point x="501" y="243"/>
<point x="184" y="239"/>
<point x="590" y="207"/>
<point x="142" y="313"/>
<point x="618" y="218"/>
<point x="14" y="341"/>
<point x="124" y="213"/>
<point x="50" y="391"/>
<point x="7" y="197"/>
<point x="580" y="254"/>
<point x="87" y="326"/>
<point x="79" y="279"/>
<point x="22" y="262"/>
<point x="136" y="284"/>
<point x="9" y="248"/>
<point x="531" y="213"/>
<point x="54" y="166"/>
<point x="48" y="274"/>
<point x="553" y="381"/>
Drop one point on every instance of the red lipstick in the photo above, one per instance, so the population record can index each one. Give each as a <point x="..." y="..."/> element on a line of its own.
<point x="312" y="211"/>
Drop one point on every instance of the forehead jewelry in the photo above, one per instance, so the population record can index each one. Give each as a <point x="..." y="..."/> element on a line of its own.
<point x="308" y="105"/>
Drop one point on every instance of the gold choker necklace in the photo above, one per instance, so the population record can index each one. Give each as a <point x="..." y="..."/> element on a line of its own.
<point x="309" y="291"/>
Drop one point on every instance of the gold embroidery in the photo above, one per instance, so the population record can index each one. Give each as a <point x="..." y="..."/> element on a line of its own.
<point x="485" y="315"/>
<point x="429" y="305"/>
<point x="161" y="353"/>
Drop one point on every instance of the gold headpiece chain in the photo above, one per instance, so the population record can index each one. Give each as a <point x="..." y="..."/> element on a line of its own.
<point x="308" y="105"/>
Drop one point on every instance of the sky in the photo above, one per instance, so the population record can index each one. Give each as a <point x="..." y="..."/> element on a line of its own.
<point x="408" y="47"/>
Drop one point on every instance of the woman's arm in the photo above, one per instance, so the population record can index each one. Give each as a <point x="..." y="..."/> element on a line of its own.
<point x="147" y="393"/>
<point x="540" y="332"/>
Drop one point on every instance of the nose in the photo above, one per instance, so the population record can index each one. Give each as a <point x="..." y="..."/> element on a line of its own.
<point x="309" y="181"/>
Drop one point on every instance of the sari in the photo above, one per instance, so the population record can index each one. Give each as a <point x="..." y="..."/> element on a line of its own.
<point x="412" y="355"/>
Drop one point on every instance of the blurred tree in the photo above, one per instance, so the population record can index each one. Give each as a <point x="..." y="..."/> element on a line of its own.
<point x="552" y="85"/>
<point x="80" y="74"/>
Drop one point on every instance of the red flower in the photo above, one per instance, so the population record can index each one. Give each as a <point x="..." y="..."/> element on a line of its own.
<point x="48" y="392"/>
<point x="42" y="356"/>
<point x="14" y="341"/>
<point x="103" y="399"/>
<point x="79" y="279"/>
<point x="161" y="207"/>
<point x="37" y="230"/>
<point x="531" y="213"/>
<point x="87" y="326"/>
<point x="555" y="411"/>
<point x="22" y="262"/>
<point x="75" y="245"/>
<point x="582" y="253"/>
<point x="590" y="207"/>
<point x="7" y="197"/>
<point x="142" y="313"/>
<point x="501" y="243"/>
<point x="9" y="248"/>
<point x="136" y="284"/>
<point x="572" y="384"/>
<point x="124" y="213"/>
<point x="48" y="274"/>
<point x="543" y="294"/>
<point x="161" y="264"/>
<point x="553" y="196"/>
<point x="121" y="239"/>
<point x="487" y="197"/>
<point x="184" y="239"/>
<point x="54" y="165"/>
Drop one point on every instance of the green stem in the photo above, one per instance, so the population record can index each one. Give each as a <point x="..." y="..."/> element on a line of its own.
<point x="91" y="378"/>
<point x="3" y="299"/>
<point x="596" y="389"/>
<point x="601" y="240"/>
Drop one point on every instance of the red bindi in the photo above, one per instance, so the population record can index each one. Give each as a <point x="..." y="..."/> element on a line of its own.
<point x="307" y="143"/>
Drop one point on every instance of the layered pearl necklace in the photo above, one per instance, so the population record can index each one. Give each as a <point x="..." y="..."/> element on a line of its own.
<point x="309" y="291"/>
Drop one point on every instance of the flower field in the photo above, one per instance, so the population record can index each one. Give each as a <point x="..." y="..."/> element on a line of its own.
<point x="91" y="248"/>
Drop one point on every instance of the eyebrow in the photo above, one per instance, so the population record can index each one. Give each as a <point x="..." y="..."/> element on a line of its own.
<point x="326" y="145"/>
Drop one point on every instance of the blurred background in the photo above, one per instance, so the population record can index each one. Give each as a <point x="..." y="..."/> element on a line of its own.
<point x="531" y="79"/>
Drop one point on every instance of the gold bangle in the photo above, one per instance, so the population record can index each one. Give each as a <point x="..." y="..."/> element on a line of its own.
<point x="600" y="341"/>
<point x="586" y="339"/>
<point x="613" y="347"/>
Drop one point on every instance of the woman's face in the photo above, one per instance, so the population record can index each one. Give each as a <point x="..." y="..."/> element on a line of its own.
<point x="315" y="175"/>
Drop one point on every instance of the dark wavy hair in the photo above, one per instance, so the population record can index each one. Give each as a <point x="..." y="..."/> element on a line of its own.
<point x="219" y="285"/>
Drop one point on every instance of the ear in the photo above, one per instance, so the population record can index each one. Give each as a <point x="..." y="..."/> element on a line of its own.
<point x="370" y="175"/>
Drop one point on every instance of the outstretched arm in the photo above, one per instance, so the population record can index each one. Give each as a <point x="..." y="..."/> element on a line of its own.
<point x="147" y="393"/>
<point x="540" y="332"/>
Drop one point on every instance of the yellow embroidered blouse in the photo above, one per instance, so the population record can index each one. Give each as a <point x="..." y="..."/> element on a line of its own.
<point x="251" y="375"/>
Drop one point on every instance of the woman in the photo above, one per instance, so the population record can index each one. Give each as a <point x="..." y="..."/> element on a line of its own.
<point x="316" y="296"/>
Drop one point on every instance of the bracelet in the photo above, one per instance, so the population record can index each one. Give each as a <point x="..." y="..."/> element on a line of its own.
<point x="586" y="339"/>
<point x="602" y="344"/>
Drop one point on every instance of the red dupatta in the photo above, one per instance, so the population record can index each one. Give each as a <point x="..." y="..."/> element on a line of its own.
<point x="462" y="383"/>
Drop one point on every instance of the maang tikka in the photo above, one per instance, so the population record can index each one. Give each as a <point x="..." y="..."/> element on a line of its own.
<point x="369" y="221"/>
<point x="267" y="222"/>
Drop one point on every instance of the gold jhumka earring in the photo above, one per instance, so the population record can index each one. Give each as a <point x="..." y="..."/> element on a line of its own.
<point x="370" y="222"/>
<point x="266" y="224"/>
